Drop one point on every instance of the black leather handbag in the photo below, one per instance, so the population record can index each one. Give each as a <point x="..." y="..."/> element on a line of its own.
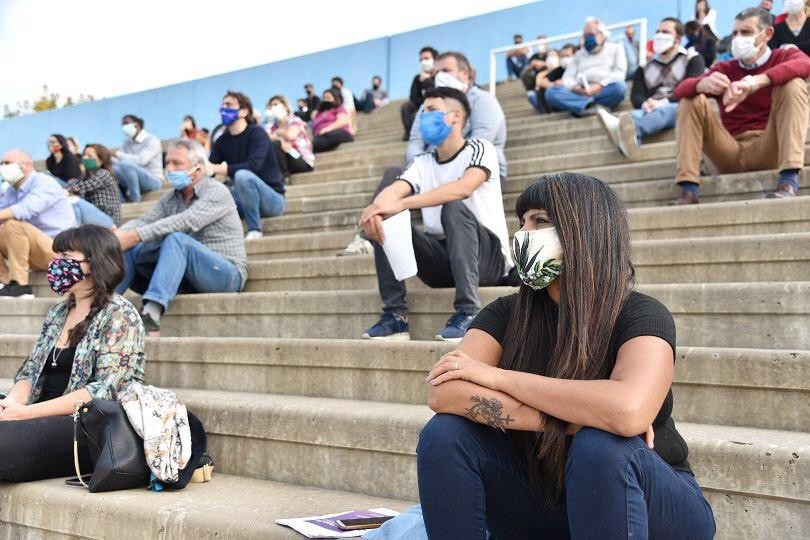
<point x="115" y="449"/>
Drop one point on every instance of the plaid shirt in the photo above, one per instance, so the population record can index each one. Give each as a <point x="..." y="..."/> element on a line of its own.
<point x="210" y="218"/>
<point x="100" y="189"/>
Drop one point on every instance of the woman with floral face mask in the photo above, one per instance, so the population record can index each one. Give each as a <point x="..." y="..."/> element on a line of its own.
<point x="573" y="373"/>
<point x="91" y="347"/>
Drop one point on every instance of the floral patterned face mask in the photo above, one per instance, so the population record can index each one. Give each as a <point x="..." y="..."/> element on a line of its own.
<point x="64" y="274"/>
<point x="538" y="256"/>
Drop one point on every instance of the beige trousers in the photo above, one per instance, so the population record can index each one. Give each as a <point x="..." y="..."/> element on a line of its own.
<point x="780" y="146"/>
<point x="23" y="247"/>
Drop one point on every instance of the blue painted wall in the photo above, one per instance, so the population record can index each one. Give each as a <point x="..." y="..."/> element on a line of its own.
<point x="394" y="57"/>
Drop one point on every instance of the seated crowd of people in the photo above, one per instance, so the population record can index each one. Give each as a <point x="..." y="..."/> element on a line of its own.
<point x="192" y="240"/>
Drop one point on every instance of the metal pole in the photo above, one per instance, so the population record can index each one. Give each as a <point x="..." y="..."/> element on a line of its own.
<point x="492" y="72"/>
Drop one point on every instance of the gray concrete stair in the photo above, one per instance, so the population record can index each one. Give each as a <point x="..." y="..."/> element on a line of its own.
<point x="757" y="315"/>
<point x="228" y="508"/>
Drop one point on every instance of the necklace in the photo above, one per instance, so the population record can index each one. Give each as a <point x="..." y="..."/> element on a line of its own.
<point x="55" y="356"/>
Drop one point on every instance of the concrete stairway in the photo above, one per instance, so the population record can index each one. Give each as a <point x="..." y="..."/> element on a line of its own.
<point x="305" y="419"/>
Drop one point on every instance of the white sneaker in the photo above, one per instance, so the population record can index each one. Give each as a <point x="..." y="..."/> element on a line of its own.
<point x="621" y="130"/>
<point x="253" y="235"/>
<point x="358" y="246"/>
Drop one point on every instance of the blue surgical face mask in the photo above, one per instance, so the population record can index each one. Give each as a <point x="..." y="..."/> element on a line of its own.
<point x="229" y="116"/>
<point x="590" y="42"/>
<point x="433" y="128"/>
<point x="179" y="179"/>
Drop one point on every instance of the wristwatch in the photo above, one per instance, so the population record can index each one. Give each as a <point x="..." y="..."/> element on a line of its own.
<point x="750" y="80"/>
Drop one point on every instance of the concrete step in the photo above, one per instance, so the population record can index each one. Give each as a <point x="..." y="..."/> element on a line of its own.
<point x="754" y="315"/>
<point x="369" y="447"/>
<point x="330" y="234"/>
<point x="784" y="257"/>
<point x="228" y="508"/>
<point x="740" y="387"/>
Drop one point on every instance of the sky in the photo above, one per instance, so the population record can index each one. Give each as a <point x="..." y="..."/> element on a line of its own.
<point x="113" y="47"/>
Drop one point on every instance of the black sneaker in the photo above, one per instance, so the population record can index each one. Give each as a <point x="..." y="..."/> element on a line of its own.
<point x="151" y="326"/>
<point x="15" y="290"/>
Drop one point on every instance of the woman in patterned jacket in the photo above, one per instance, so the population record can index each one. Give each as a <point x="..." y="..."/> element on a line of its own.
<point x="91" y="347"/>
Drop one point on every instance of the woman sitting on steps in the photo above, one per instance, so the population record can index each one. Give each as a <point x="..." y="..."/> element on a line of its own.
<point x="541" y="406"/>
<point x="91" y="346"/>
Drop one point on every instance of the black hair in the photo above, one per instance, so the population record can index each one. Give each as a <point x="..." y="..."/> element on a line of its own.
<point x="678" y="24"/>
<point x="693" y="27"/>
<point x="517" y="36"/>
<point x="136" y="119"/>
<point x="103" y="253"/>
<point x="335" y="92"/>
<point x="433" y="52"/>
<point x="244" y="103"/>
<point x="62" y="142"/>
<point x="193" y="122"/>
<point x="708" y="7"/>
<point x="337" y="79"/>
<point x="444" y="92"/>
<point x="570" y="340"/>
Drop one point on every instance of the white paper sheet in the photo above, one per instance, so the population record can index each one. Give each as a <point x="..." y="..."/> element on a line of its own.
<point x="398" y="245"/>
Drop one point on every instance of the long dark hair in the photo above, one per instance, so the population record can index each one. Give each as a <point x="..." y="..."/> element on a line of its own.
<point x="104" y="157"/>
<point x="570" y="340"/>
<point x="103" y="252"/>
<point x="63" y="143"/>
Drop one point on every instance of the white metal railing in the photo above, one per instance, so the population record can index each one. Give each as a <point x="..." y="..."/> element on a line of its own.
<point x="642" y="45"/>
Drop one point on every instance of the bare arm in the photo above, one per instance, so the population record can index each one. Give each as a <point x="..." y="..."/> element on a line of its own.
<point x="481" y="404"/>
<point x="626" y="404"/>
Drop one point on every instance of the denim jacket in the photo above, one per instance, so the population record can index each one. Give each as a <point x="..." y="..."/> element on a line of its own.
<point x="108" y="358"/>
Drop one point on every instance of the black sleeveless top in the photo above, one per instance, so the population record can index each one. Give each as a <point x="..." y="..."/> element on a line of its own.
<point x="641" y="315"/>
<point x="56" y="377"/>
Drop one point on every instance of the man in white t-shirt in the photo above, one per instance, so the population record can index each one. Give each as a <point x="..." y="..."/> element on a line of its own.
<point x="465" y="242"/>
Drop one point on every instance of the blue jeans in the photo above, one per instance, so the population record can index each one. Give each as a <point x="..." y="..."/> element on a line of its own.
<point x="515" y="65"/>
<point x="560" y="98"/>
<point x="472" y="478"/>
<point x="88" y="213"/>
<point x="649" y="123"/>
<point x="134" y="180"/>
<point x="159" y="269"/>
<point x="255" y="199"/>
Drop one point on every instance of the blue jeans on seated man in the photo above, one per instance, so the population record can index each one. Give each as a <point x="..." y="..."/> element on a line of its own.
<point x="515" y="65"/>
<point x="472" y="477"/>
<point x="655" y="121"/>
<point x="87" y="213"/>
<point x="134" y="180"/>
<point x="560" y="98"/>
<point x="255" y="199"/>
<point x="177" y="263"/>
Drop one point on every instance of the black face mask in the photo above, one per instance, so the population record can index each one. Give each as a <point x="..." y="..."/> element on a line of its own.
<point x="375" y="86"/>
<point x="326" y="106"/>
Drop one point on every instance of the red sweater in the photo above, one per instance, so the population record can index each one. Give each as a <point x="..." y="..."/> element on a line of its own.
<point x="783" y="66"/>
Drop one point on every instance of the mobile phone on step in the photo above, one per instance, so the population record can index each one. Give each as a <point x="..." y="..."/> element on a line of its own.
<point x="361" y="523"/>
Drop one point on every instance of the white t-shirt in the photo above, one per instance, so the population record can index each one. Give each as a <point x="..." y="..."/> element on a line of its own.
<point x="348" y="98"/>
<point x="426" y="172"/>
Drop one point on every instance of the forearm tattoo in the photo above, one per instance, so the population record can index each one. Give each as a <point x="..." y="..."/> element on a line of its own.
<point x="488" y="411"/>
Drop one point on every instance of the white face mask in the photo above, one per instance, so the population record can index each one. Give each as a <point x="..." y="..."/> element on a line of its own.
<point x="794" y="6"/>
<point x="445" y="79"/>
<point x="744" y="48"/>
<point x="663" y="42"/>
<point x="565" y="61"/>
<point x="12" y="173"/>
<point x="542" y="48"/>
<point x="276" y="113"/>
<point x="427" y="65"/>
<point x="552" y="61"/>
<point x="129" y="129"/>
<point x="3" y="186"/>
<point x="538" y="257"/>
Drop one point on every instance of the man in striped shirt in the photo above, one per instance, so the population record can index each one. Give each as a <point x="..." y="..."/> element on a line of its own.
<point x="196" y="228"/>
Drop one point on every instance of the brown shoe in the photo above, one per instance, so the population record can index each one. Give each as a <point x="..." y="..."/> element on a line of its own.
<point x="783" y="191"/>
<point x="684" y="199"/>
